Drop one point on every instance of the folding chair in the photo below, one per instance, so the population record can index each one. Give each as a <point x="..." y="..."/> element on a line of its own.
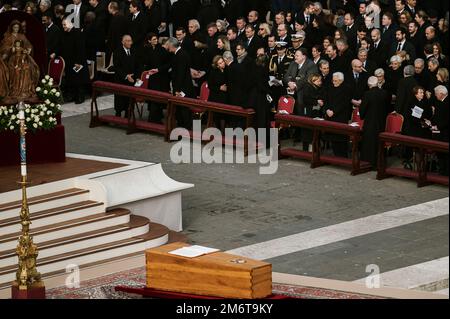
<point x="56" y="68"/>
<point x="356" y="118"/>
<point x="285" y="105"/>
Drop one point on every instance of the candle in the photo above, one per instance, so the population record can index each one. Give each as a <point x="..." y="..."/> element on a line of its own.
<point x="21" y="115"/>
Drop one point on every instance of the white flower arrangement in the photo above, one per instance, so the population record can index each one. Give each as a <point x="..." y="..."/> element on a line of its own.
<point x="47" y="92"/>
<point x="38" y="116"/>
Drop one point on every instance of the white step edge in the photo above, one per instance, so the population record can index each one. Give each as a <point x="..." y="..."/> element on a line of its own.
<point x="86" y="243"/>
<point x="135" y="184"/>
<point x="55" y="203"/>
<point x="63" y="217"/>
<point x="94" y="257"/>
<point x="75" y="229"/>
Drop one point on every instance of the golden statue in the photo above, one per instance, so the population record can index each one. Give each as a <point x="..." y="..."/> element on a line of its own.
<point x="4" y="80"/>
<point x="23" y="73"/>
<point x="13" y="34"/>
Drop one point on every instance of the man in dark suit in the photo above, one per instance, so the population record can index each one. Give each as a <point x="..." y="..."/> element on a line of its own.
<point x="350" y="30"/>
<point x="403" y="45"/>
<point x="306" y="17"/>
<point x="253" y="41"/>
<point x="357" y="81"/>
<point x="440" y="124"/>
<point x="181" y="80"/>
<point x="101" y="20"/>
<point x="283" y="34"/>
<point x="388" y="28"/>
<point x="53" y="36"/>
<point x="126" y="68"/>
<point x="379" y="51"/>
<point x="137" y="27"/>
<point x="368" y="65"/>
<point x="185" y="42"/>
<point x="373" y="112"/>
<point x="118" y="27"/>
<point x="297" y="75"/>
<point x="405" y="90"/>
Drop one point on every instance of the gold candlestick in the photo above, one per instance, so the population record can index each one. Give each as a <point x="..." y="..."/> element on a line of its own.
<point x="28" y="283"/>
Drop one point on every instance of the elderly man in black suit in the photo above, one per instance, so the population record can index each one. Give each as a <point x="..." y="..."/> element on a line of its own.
<point x="126" y="71"/>
<point x="356" y="79"/>
<point x="373" y="112"/>
<point x="405" y="88"/>
<point x="440" y="124"/>
<point x="297" y="75"/>
<point x="338" y="109"/>
<point x="181" y="80"/>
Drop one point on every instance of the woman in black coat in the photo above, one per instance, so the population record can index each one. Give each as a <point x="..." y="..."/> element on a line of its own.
<point x="218" y="87"/>
<point x="313" y="101"/>
<point x="157" y="60"/>
<point x="217" y="81"/>
<point x="418" y="115"/>
<point x="338" y="109"/>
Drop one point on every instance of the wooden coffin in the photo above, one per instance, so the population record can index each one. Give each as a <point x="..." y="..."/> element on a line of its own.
<point x="217" y="274"/>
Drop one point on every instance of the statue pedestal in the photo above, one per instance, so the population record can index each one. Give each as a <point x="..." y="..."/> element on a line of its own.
<point x="36" y="291"/>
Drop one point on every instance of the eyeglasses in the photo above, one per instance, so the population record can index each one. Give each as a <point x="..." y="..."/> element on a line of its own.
<point x="261" y="29"/>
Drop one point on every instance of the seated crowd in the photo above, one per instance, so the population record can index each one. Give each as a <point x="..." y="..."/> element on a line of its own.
<point x="333" y="57"/>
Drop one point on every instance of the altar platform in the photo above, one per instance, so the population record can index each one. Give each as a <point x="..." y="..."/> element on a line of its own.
<point x="95" y="213"/>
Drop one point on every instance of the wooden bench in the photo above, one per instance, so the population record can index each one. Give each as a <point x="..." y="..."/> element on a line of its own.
<point x="133" y="93"/>
<point x="323" y="126"/>
<point x="212" y="108"/>
<point x="422" y="147"/>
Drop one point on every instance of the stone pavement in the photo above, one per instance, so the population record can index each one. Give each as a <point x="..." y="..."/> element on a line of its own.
<point x="233" y="206"/>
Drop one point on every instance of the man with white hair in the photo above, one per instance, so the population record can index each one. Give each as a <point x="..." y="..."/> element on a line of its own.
<point x="373" y="112"/>
<point x="338" y="109"/>
<point x="440" y="124"/>
<point x="405" y="90"/>
<point x="421" y="73"/>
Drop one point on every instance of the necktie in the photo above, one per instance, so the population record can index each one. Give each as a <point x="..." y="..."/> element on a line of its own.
<point x="279" y="60"/>
<point x="399" y="47"/>
<point x="384" y="29"/>
<point x="307" y="19"/>
<point x="356" y="77"/>
<point x="134" y="17"/>
<point x="375" y="45"/>
<point x="128" y="52"/>
<point x="348" y="29"/>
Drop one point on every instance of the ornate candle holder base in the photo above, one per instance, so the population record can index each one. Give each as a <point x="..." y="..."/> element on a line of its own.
<point x="35" y="291"/>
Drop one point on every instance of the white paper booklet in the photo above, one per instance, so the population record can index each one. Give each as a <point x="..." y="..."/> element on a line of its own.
<point x="193" y="251"/>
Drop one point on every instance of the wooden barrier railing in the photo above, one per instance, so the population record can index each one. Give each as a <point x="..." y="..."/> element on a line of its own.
<point x="133" y="93"/>
<point x="199" y="106"/>
<point x="422" y="147"/>
<point x="323" y="126"/>
<point x="172" y="103"/>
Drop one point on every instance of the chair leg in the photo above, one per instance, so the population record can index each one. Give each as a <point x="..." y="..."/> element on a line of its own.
<point x="140" y="109"/>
